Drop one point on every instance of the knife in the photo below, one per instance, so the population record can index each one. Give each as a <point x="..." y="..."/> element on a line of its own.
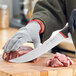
<point x="46" y="46"/>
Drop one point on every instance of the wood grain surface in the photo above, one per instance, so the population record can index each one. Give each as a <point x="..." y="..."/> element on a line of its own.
<point x="36" y="69"/>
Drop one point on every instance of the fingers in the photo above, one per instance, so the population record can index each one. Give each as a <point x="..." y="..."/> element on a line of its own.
<point x="37" y="41"/>
<point x="14" y="43"/>
<point x="5" y="46"/>
<point x="18" y="44"/>
<point x="9" y="44"/>
<point x="20" y="41"/>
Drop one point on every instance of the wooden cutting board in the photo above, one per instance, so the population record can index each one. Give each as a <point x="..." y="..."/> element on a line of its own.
<point x="35" y="69"/>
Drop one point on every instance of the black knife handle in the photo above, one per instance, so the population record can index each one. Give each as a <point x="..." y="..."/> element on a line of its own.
<point x="65" y="31"/>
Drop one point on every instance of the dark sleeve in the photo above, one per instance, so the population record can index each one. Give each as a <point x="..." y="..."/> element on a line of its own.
<point x="52" y="13"/>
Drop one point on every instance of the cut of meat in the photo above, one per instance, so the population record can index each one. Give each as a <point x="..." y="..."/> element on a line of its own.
<point x="14" y="54"/>
<point x="71" y="62"/>
<point x="61" y="57"/>
<point x="54" y="63"/>
<point x="59" y="60"/>
<point x="67" y="64"/>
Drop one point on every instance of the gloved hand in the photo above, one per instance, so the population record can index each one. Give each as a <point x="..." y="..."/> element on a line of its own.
<point x="29" y="33"/>
<point x="72" y="22"/>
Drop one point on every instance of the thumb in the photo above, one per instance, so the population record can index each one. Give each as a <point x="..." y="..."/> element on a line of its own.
<point x="37" y="41"/>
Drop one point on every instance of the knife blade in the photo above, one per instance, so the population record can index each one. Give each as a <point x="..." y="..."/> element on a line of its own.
<point x="46" y="46"/>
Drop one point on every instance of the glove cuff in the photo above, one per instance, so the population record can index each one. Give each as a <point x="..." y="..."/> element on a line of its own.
<point x="38" y="23"/>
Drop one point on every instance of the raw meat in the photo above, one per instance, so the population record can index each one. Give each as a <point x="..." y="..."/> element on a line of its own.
<point x="54" y="63"/>
<point x="14" y="54"/>
<point x="59" y="60"/>
<point x="71" y="62"/>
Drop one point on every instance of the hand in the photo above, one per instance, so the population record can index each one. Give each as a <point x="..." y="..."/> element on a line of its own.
<point x="29" y="33"/>
<point x="72" y="22"/>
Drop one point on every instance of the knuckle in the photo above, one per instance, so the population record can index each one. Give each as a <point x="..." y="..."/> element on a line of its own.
<point x="13" y="40"/>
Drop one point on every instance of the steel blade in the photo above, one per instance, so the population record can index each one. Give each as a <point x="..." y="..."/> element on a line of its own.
<point x="46" y="46"/>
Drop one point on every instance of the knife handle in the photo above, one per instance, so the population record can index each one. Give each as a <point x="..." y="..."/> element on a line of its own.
<point x="65" y="31"/>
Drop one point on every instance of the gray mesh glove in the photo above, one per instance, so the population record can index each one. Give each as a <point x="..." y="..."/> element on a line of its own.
<point x="29" y="33"/>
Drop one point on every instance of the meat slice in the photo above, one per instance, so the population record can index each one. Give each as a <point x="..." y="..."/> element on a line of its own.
<point x="14" y="54"/>
<point x="54" y="63"/>
<point x="71" y="62"/>
<point x="59" y="60"/>
<point x="62" y="58"/>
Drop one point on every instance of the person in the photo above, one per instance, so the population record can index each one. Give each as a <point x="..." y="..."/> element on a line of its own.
<point x="48" y="16"/>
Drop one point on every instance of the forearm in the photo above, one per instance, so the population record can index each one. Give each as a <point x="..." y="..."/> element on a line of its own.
<point x="51" y="16"/>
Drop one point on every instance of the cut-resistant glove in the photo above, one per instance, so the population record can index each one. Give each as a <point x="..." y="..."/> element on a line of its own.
<point x="29" y="33"/>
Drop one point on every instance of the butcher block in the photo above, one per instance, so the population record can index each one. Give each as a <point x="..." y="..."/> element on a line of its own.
<point x="38" y="68"/>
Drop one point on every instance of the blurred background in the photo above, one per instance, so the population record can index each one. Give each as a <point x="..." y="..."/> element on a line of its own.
<point x="18" y="11"/>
